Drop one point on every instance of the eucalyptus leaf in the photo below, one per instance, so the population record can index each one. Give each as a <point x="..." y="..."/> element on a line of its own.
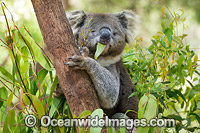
<point x="84" y="114"/>
<point x="54" y="85"/>
<point x="8" y="126"/>
<point x="100" y="48"/>
<point x="38" y="105"/>
<point x="168" y="32"/>
<point x="9" y="100"/>
<point x="5" y="73"/>
<point x="97" y="113"/>
<point x="54" y="105"/>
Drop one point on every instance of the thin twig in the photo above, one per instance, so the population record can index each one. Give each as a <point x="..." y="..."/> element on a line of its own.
<point x="3" y="99"/>
<point x="8" y="88"/>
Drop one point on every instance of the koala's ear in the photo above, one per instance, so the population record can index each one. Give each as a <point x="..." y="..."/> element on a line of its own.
<point x="76" y="20"/>
<point x="128" y="20"/>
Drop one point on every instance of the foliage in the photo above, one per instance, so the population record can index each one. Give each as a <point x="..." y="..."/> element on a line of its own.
<point x="167" y="72"/>
<point x="165" y="76"/>
<point x="26" y="89"/>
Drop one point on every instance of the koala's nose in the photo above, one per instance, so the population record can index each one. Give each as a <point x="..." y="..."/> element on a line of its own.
<point x="105" y="33"/>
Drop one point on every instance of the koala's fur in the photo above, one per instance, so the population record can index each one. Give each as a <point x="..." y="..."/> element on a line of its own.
<point x="109" y="76"/>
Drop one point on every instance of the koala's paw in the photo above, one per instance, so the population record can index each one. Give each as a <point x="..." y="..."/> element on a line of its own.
<point x="77" y="62"/>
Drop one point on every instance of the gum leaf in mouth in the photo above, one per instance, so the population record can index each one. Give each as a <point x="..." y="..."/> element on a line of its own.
<point x="99" y="50"/>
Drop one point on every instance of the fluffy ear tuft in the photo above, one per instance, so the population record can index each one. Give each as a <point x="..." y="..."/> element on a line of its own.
<point x="76" y="20"/>
<point x="128" y="20"/>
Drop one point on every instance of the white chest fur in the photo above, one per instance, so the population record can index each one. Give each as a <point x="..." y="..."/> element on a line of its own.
<point x="106" y="61"/>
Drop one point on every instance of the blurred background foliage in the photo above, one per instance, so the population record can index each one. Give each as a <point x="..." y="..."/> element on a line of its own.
<point x="149" y="12"/>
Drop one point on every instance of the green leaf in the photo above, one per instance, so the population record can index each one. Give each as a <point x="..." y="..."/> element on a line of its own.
<point x="190" y="83"/>
<point x="110" y="130"/>
<point x="180" y="61"/>
<point x="122" y="129"/>
<point x="172" y="94"/>
<point x="100" y="48"/>
<point x="9" y="100"/>
<point x="81" y="130"/>
<point x="143" y="130"/>
<point x="168" y="32"/>
<point x="3" y="95"/>
<point x="142" y="106"/>
<point x="176" y="117"/>
<point x="5" y="72"/>
<point x="24" y="65"/>
<point x="19" y="128"/>
<point x="162" y="102"/>
<point x="84" y="114"/>
<point x="25" y="99"/>
<point x="154" y="42"/>
<point x="179" y="126"/>
<point x="41" y="75"/>
<point x="189" y="63"/>
<point x="163" y="23"/>
<point x="195" y="79"/>
<point x="180" y="94"/>
<point x="162" y="42"/>
<point x="197" y="116"/>
<point x="156" y="87"/>
<point x="99" y="113"/>
<point x="55" y="82"/>
<point x="195" y="59"/>
<point x="38" y="105"/>
<point x="144" y="64"/>
<point x="1" y="103"/>
<point x="188" y="121"/>
<point x="8" y="126"/>
<point x="151" y="108"/>
<point x="133" y="94"/>
<point x="54" y="105"/>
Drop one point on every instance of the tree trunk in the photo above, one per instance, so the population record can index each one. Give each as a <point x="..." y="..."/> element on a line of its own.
<point x="58" y="37"/>
<point x="65" y="4"/>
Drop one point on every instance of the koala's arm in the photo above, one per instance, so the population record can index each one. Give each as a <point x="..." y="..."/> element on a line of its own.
<point x="105" y="80"/>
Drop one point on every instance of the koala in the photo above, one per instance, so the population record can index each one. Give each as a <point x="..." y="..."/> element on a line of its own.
<point x="108" y="74"/>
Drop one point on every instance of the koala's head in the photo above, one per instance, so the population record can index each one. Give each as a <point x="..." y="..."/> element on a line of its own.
<point x="114" y="30"/>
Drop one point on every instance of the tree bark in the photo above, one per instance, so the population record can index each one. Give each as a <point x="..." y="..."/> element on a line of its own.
<point x="57" y="34"/>
<point x="65" y="4"/>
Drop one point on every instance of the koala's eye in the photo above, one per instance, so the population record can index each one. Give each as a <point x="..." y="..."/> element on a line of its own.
<point x="115" y="33"/>
<point x="93" y="31"/>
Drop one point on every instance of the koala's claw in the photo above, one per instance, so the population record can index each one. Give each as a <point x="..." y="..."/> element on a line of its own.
<point x="76" y="65"/>
<point x="70" y="64"/>
<point x="77" y="58"/>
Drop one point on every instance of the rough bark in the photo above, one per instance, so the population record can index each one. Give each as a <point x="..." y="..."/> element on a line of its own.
<point x="58" y="37"/>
